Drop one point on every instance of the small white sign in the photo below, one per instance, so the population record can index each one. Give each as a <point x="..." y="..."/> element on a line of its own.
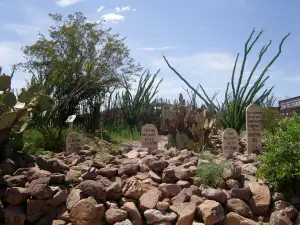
<point x="71" y="119"/>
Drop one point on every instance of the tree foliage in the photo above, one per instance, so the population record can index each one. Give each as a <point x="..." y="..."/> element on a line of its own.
<point x="77" y="61"/>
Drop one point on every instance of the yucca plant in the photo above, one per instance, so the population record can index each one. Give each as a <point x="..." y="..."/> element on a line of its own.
<point x="232" y="111"/>
<point x="135" y="107"/>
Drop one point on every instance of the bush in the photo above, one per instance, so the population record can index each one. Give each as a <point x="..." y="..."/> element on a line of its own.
<point x="120" y="133"/>
<point x="42" y="142"/>
<point x="281" y="163"/>
<point x="210" y="174"/>
<point x="270" y="119"/>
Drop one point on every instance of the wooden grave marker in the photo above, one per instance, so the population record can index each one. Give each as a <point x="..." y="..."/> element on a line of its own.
<point x="70" y="121"/>
<point x="253" y="128"/>
<point x="230" y="141"/>
<point x="74" y="141"/>
<point x="149" y="137"/>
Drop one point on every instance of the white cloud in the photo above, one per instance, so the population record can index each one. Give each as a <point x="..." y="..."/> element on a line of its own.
<point x="115" y="18"/>
<point x="125" y="8"/>
<point x="64" y="3"/>
<point x="212" y="69"/>
<point x="20" y="29"/>
<point x="100" y="8"/>
<point x="155" y="49"/>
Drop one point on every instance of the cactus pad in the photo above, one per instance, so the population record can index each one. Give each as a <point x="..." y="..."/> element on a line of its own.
<point x="7" y="120"/>
<point x="24" y="97"/>
<point x="9" y="99"/>
<point x="5" y="82"/>
<point x="188" y="127"/>
<point x="3" y="109"/>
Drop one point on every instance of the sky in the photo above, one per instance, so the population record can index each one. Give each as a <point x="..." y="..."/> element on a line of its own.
<point x="200" y="38"/>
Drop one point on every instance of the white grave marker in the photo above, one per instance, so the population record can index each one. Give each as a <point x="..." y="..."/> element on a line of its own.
<point x="230" y="141"/>
<point x="149" y="137"/>
<point x="74" y="142"/>
<point x="253" y="128"/>
<point x="70" y="121"/>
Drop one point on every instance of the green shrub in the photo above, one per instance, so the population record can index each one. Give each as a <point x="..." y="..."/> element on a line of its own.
<point x="120" y="133"/>
<point x="270" y="119"/>
<point x="39" y="141"/>
<point x="281" y="163"/>
<point x="210" y="174"/>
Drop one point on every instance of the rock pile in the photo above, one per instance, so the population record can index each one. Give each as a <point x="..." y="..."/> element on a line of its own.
<point x="136" y="187"/>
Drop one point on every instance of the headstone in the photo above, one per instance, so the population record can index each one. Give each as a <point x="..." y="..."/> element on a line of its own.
<point x="230" y="141"/>
<point x="253" y="128"/>
<point x="149" y="137"/>
<point x="74" y="142"/>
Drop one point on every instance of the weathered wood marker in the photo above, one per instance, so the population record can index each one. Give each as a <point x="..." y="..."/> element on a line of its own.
<point x="253" y="128"/>
<point x="149" y="137"/>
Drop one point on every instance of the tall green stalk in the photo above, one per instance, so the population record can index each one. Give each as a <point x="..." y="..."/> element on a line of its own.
<point x="232" y="111"/>
<point x="135" y="107"/>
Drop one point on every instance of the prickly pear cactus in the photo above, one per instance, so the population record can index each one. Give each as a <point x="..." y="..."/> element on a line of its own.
<point x="188" y="128"/>
<point x="14" y="114"/>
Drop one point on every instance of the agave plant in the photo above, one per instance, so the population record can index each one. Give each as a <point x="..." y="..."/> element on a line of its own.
<point x="232" y="111"/>
<point x="135" y="107"/>
<point x="14" y="114"/>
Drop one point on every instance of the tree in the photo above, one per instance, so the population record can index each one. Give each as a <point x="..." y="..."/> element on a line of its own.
<point x="79" y="61"/>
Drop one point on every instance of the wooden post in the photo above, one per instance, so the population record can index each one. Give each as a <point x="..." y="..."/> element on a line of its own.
<point x="70" y="121"/>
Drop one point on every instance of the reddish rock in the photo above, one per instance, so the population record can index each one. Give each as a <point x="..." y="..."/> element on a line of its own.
<point x="14" y="215"/>
<point x="149" y="199"/>
<point x="16" y="195"/>
<point x="212" y="212"/>
<point x="93" y="188"/>
<point x="241" y="193"/>
<point x="214" y="194"/>
<point x="280" y="218"/>
<point x="154" y="216"/>
<point x="113" y="216"/>
<point x="185" y="211"/>
<point x="133" y="213"/>
<point x="87" y="212"/>
<point x="40" y="188"/>
<point x="236" y="219"/>
<point x="36" y="209"/>
<point x="238" y="206"/>
<point x="169" y="190"/>
<point x="132" y="188"/>
<point x="261" y="198"/>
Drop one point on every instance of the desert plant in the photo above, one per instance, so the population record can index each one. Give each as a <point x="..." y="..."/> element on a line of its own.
<point x="187" y="127"/>
<point x="281" y="163"/>
<point x="232" y="111"/>
<point x="270" y="119"/>
<point x="14" y="114"/>
<point x="78" y="62"/>
<point x="135" y="107"/>
<point x="211" y="173"/>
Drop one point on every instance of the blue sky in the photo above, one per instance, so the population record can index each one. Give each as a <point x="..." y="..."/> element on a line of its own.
<point x="200" y="39"/>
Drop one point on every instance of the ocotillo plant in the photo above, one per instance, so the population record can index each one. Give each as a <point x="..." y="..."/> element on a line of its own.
<point x="232" y="111"/>
<point x="134" y="107"/>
